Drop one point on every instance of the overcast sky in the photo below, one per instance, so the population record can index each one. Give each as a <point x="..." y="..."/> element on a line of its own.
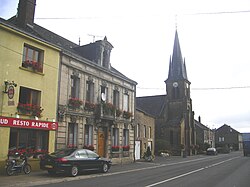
<point x="214" y="37"/>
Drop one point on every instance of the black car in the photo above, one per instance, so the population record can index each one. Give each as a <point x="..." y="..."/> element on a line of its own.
<point x="72" y="161"/>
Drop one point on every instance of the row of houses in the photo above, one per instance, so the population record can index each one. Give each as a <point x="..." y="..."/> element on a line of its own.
<point x="57" y="94"/>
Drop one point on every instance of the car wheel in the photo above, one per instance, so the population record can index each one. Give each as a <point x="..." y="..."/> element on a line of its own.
<point x="74" y="171"/>
<point x="105" y="167"/>
<point x="51" y="172"/>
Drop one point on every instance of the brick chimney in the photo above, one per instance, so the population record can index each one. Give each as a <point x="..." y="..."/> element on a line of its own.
<point x="26" y="12"/>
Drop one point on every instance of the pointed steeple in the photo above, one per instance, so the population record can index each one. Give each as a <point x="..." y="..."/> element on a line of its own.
<point x="177" y="69"/>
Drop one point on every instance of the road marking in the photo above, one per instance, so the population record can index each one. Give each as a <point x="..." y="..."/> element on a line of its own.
<point x="176" y="177"/>
<point x="191" y="172"/>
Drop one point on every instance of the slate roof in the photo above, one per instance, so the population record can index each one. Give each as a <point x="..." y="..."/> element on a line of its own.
<point x="225" y="127"/>
<point x="200" y="125"/>
<point x="177" y="68"/>
<point x="151" y="104"/>
<point x="52" y="38"/>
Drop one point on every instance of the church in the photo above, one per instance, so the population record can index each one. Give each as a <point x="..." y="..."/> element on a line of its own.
<point x="174" y="117"/>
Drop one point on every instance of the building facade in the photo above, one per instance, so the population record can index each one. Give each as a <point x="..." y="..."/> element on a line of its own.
<point x="47" y="78"/>
<point x="144" y="130"/>
<point x="205" y="137"/>
<point x="96" y="103"/>
<point x="227" y="138"/>
<point x="29" y="76"/>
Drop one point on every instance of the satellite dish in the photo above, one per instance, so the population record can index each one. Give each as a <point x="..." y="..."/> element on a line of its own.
<point x="103" y="97"/>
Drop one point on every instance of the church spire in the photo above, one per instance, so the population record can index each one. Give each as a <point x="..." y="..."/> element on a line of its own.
<point x="177" y="69"/>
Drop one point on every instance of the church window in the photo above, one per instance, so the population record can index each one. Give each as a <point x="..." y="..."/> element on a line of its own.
<point x="176" y="93"/>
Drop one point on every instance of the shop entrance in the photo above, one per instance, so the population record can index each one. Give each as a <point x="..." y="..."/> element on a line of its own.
<point x="101" y="142"/>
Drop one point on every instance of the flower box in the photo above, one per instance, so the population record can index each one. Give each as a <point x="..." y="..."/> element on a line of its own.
<point x="127" y="114"/>
<point x="36" y="66"/>
<point x="29" y="109"/>
<point x="115" y="148"/>
<point x="89" y="106"/>
<point x="75" y="102"/>
<point x="126" y="148"/>
<point x="118" y="112"/>
<point x="108" y="108"/>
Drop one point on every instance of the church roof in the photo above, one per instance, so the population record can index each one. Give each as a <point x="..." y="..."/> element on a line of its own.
<point x="177" y="68"/>
<point x="151" y="104"/>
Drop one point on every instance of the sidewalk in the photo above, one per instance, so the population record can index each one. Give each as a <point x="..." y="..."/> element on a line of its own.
<point x="42" y="177"/>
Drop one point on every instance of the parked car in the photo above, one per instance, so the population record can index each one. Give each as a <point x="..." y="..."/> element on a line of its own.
<point x="211" y="151"/>
<point x="72" y="161"/>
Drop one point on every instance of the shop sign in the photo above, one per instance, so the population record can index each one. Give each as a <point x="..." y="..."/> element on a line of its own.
<point x="26" y="123"/>
<point x="11" y="92"/>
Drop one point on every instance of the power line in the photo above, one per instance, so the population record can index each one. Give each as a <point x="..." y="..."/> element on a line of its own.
<point x="98" y="17"/>
<point x="22" y="55"/>
<point x="222" y="88"/>
<point x="225" y="12"/>
<point x="217" y="88"/>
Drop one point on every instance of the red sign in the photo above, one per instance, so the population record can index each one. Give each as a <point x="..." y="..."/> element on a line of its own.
<point x="26" y="123"/>
<point x="11" y="92"/>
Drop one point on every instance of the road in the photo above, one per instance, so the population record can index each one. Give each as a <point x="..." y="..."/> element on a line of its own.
<point x="223" y="170"/>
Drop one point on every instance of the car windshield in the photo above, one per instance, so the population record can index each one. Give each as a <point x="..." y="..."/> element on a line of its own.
<point x="63" y="152"/>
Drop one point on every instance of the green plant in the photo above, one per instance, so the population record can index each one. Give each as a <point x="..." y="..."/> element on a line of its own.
<point x="89" y="106"/>
<point x="127" y="114"/>
<point x="118" y="112"/>
<point x="30" y="109"/>
<point x="125" y="148"/>
<point x="115" y="148"/>
<point x="75" y="102"/>
<point x="108" y="108"/>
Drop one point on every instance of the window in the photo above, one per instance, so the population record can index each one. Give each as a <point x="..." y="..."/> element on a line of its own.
<point x="29" y="140"/>
<point x="90" y="92"/>
<point x="72" y="135"/>
<point x="75" y="86"/>
<point x="106" y="57"/>
<point x="82" y="154"/>
<point x="125" y="137"/>
<point x="115" y="137"/>
<point x="29" y="102"/>
<point x="176" y="93"/>
<point x="88" y="137"/>
<point x="145" y="131"/>
<point x="91" y="154"/>
<point x="104" y="93"/>
<point x="32" y="58"/>
<point x="116" y="98"/>
<point x="29" y="96"/>
<point x="125" y="102"/>
<point x="221" y="139"/>
<point x="149" y="132"/>
<point x="137" y="130"/>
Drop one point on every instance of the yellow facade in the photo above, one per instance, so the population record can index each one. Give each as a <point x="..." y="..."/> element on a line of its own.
<point x="12" y="43"/>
